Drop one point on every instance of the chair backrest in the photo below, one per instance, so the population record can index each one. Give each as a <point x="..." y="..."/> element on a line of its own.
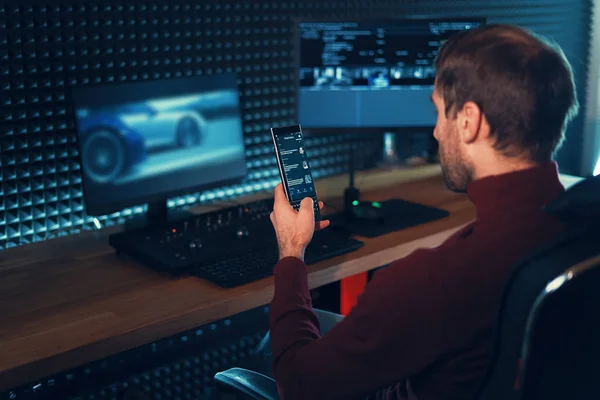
<point x="525" y="322"/>
<point x="562" y="341"/>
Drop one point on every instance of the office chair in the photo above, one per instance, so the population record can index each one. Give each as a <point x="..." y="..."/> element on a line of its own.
<point x="545" y="341"/>
<point x="546" y="334"/>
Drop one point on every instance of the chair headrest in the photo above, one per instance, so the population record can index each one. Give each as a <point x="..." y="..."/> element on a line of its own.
<point x="581" y="201"/>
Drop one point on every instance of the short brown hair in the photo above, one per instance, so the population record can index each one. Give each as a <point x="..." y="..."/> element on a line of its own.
<point x="522" y="83"/>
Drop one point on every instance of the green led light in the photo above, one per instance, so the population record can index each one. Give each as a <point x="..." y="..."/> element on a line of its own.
<point x="355" y="203"/>
<point x="376" y="204"/>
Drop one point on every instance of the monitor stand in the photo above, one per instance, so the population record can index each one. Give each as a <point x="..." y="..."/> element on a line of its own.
<point x="390" y="157"/>
<point x="158" y="215"/>
<point x="375" y="218"/>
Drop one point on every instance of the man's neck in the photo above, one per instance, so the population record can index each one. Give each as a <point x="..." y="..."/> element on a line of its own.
<point x="517" y="189"/>
<point x="502" y="166"/>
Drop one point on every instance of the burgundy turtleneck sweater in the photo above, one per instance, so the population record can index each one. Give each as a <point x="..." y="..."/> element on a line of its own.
<point x="422" y="328"/>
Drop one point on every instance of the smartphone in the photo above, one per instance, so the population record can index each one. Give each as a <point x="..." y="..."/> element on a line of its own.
<point x="294" y="168"/>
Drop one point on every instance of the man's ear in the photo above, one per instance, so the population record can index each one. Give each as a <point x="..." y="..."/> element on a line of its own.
<point x="469" y="121"/>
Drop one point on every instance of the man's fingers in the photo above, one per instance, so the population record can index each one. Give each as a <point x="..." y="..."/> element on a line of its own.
<point x="322" y="225"/>
<point x="321" y="205"/>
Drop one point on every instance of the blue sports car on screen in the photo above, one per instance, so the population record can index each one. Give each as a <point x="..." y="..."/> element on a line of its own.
<point x="115" y="140"/>
<point x="108" y="147"/>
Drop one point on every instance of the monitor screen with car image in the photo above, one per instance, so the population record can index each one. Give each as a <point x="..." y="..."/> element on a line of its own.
<point x="148" y="141"/>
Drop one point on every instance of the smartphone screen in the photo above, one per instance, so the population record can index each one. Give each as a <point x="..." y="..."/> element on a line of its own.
<point x="294" y="167"/>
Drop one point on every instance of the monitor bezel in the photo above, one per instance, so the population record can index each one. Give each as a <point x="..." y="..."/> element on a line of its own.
<point x="316" y="130"/>
<point x="117" y="206"/>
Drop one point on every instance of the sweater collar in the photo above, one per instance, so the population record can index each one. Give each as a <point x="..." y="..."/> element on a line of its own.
<point x="527" y="189"/>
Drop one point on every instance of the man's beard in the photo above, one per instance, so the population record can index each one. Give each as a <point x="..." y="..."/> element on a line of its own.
<point x="455" y="170"/>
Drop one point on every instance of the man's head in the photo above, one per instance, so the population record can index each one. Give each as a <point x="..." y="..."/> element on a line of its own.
<point x="504" y="98"/>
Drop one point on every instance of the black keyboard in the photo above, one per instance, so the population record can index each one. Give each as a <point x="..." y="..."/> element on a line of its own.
<point x="237" y="268"/>
<point x="229" y="248"/>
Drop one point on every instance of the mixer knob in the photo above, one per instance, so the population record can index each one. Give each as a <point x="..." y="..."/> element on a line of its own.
<point x="195" y="244"/>
<point x="242" y="232"/>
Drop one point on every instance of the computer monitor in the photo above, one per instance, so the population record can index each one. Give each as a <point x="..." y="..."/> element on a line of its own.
<point x="148" y="141"/>
<point x="370" y="74"/>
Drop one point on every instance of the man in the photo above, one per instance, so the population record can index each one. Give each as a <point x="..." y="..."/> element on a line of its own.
<point x="422" y="328"/>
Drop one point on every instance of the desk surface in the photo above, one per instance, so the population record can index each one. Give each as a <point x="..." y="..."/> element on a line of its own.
<point x="70" y="301"/>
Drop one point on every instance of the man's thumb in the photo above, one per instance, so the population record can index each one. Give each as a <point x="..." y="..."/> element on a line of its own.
<point x="306" y="206"/>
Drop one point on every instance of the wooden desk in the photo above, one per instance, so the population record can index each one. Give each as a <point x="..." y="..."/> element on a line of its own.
<point x="70" y="301"/>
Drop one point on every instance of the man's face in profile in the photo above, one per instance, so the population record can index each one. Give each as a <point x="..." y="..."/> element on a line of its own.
<point x="455" y="168"/>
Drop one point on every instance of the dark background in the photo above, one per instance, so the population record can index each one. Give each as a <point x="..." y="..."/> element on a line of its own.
<point x="45" y="50"/>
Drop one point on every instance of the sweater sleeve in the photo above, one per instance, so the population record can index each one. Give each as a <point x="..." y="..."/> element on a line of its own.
<point x="388" y="336"/>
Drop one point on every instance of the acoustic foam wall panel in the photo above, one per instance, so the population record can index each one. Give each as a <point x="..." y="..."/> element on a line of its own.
<point x="45" y="49"/>
<point x="178" y="367"/>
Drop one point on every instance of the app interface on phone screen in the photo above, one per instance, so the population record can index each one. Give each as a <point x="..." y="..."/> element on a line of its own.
<point x="295" y="166"/>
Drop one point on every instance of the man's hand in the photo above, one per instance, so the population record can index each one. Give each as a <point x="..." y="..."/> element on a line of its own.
<point x="294" y="229"/>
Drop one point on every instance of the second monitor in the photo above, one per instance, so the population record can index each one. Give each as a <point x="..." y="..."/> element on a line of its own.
<point x="370" y="73"/>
